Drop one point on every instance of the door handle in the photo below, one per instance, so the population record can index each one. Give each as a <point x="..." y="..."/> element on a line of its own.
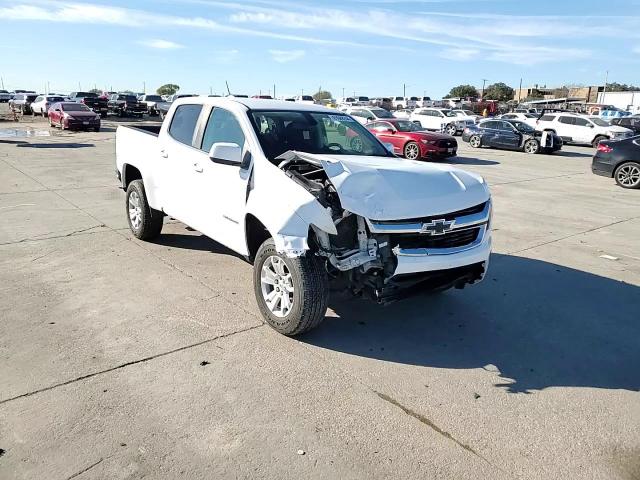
<point x="197" y="167"/>
<point x="164" y="154"/>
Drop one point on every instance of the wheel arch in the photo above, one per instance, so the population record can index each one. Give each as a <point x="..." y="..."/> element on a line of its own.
<point x="129" y="174"/>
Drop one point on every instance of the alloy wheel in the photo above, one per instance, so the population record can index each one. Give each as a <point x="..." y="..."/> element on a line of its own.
<point x="628" y="176"/>
<point x="135" y="210"/>
<point x="276" y="284"/>
<point x="412" y="151"/>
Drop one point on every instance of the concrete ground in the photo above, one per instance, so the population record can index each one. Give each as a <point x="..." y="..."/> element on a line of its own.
<point x="123" y="360"/>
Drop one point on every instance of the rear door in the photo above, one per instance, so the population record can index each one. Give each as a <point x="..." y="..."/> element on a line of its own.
<point x="178" y="159"/>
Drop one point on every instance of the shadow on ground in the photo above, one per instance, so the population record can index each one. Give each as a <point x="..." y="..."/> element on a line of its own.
<point x="542" y="325"/>
<point x="55" y="145"/>
<point x="195" y="241"/>
<point x="470" y="161"/>
<point x="564" y="153"/>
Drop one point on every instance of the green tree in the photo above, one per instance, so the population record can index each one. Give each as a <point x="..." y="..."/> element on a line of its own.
<point x="463" y="91"/>
<point x="322" y="95"/>
<point x="168" y="89"/>
<point x="498" y="91"/>
<point x="621" y="87"/>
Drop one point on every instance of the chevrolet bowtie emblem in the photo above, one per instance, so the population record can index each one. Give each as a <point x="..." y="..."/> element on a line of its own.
<point x="437" y="227"/>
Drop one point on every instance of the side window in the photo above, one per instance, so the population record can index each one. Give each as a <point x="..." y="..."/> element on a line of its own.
<point x="382" y="127"/>
<point x="38" y="99"/>
<point x="489" y="125"/>
<point x="183" y="123"/>
<point x="581" y="122"/>
<point x="222" y="126"/>
<point x="547" y="118"/>
<point x="567" y="120"/>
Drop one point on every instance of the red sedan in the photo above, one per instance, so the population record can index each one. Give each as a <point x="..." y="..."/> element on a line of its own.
<point x="73" y="116"/>
<point x="411" y="141"/>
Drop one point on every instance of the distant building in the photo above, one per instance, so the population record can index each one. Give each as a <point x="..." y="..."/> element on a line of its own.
<point x="589" y="94"/>
<point x="629" y="101"/>
<point x="520" y="94"/>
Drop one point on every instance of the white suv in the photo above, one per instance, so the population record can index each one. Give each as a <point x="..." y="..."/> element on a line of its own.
<point x="579" y="129"/>
<point x="441" y="120"/>
<point x="365" y="115"/>
<point x="399" y="103"/>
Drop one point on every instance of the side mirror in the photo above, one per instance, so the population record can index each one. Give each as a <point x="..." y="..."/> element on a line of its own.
<point x="226" y="153"/>
<point x="390" y="130"/>
<point x="389" y="147"/>
<point x="370" y="119"/>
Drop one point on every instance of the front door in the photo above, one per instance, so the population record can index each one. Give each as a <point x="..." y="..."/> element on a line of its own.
<point x="507" y="136"/>
<point x="220" y="188"/>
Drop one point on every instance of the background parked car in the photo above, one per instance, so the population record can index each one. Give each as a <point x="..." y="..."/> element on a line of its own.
<point x="620" y="160"/>
<point x="400" y="103"/>
<point x="581" y="130"/>
<point x="5" y="96"/>
<point x="440" y="120"/>
<point x="307" y="99"/>
<point x="151" y="101"/>
<point x="365" y="115"/>
<point x="528" y="118"/>
<point x="511" y="135"/>
<point x="411" y="142"/>
<point x="42" y="103"/>
<point x="425" y="102"/>
<point x="91" y="100"/>
<point x="632" y="123"/>
<point x="73" y="116"/>
<point x="163" y="107"/>
<point x="403" y="114"/>
<point x="123" y="104"/>
<point x="21" y="102"/>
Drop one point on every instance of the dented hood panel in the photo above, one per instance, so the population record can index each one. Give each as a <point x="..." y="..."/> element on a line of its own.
<point x="391" y="188"/>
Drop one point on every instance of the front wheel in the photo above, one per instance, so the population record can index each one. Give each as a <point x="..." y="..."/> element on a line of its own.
<point x="627" y="175"/>
<point x="451" y="130"/>
<point x="292" y="293"/>
<point x="531" y="146"/>
<point x="145" y="222"/>
<point x="475" y="141"/>
<point x="412" y="151"/>
<point x="597" y="140"/>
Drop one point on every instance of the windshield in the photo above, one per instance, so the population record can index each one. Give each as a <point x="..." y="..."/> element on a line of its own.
<point x="335" y="134"/>
<point x="599" y="122"/>
<point x="55" y="99"/>
<point x="407" y="126"/>
<point x="523" y="127"/>
<point x="449" y="113"/>
<point x="363" y="99"/>
<point x="128" y="98"/>
<point x="307" y="98"/>
<point x="75" y="107"/>
<point x="153" y="98"/>
<point x="381" y="113"/>
<point x="31" y="98"/>
<point x="86" y="94"/>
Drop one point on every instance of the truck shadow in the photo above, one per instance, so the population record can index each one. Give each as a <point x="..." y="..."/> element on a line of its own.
<point x="540" y="324"/>
<point x="194" y="241"/>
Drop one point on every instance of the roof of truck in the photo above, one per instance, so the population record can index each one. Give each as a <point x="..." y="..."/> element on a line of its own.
<point x="259" y="104"/>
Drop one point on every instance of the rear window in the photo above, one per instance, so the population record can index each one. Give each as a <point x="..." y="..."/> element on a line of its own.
<point x="85" y="94"/>
<point x="307" y="98"/>
<point x="184" y="123"/>
<point x="547" y="118"/>
<point x="31" y="98"/>
<point x="128" y="98"/>
<point x="75" y="107"/>
<point x="153" y="98"/>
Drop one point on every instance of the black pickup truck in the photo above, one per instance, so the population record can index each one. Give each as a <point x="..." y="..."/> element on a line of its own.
<point x="126" y="104"/>
<point x="91" y="100"/>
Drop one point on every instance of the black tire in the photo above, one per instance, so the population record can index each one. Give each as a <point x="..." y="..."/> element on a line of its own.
<point x="531" y="146"/>
<point x="310" y="294"/>
<point x="598" y="139"/>
<point x="475" y="141"/>
<point x="627" y="175"/>
<point x="151" y="220"/>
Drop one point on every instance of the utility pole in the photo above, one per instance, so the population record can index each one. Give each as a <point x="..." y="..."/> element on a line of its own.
<point x="519" y="91"/>
<point x="606" y="80"/>
<point x="404" y="90"/>
<point x="144" y="87"/>
<point x="274" y="90"/>
<point x="484" y="81"/>
<point x="2" y="82"/>
<point x="79" y="87"/>
<point x="342" y="92"/>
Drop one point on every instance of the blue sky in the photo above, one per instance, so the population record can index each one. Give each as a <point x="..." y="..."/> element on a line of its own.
<point x="370" y="47"/>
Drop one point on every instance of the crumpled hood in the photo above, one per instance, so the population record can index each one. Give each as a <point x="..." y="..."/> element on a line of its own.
<point x="392" y="188"/>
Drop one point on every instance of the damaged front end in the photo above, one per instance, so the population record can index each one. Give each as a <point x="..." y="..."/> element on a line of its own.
<point x="388" y="260"/>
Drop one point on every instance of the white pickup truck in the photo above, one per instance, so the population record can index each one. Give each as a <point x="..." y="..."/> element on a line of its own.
<point x="309" y="196"/>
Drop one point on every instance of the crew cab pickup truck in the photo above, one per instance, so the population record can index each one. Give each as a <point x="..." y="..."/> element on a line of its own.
<point x="123" y="104"/>
<point x="91" y="100"/>
<point x="286" y="186"/>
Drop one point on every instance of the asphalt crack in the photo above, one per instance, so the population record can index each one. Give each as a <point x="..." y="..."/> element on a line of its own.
<point x="128" y="364"/>
<point x="86" y="469"/>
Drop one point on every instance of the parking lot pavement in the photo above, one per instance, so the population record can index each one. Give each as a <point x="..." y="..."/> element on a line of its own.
<point x="121" y="359"/>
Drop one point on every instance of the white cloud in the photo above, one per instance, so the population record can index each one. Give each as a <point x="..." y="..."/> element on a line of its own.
<point x="461" y="54"/>
<point x="161" y="44"/>
<point x="284" y="56"/>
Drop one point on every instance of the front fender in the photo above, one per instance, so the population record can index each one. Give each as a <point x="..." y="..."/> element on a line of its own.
<point x="287" y="211"/>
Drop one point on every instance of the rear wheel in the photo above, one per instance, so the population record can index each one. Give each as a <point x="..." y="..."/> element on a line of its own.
<point x="627" y="175"/>
<point x="145" y="222"/>
<point x="412" y="151"/>
<point x="292" y="293"/>
<point x="475" y="141"/>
